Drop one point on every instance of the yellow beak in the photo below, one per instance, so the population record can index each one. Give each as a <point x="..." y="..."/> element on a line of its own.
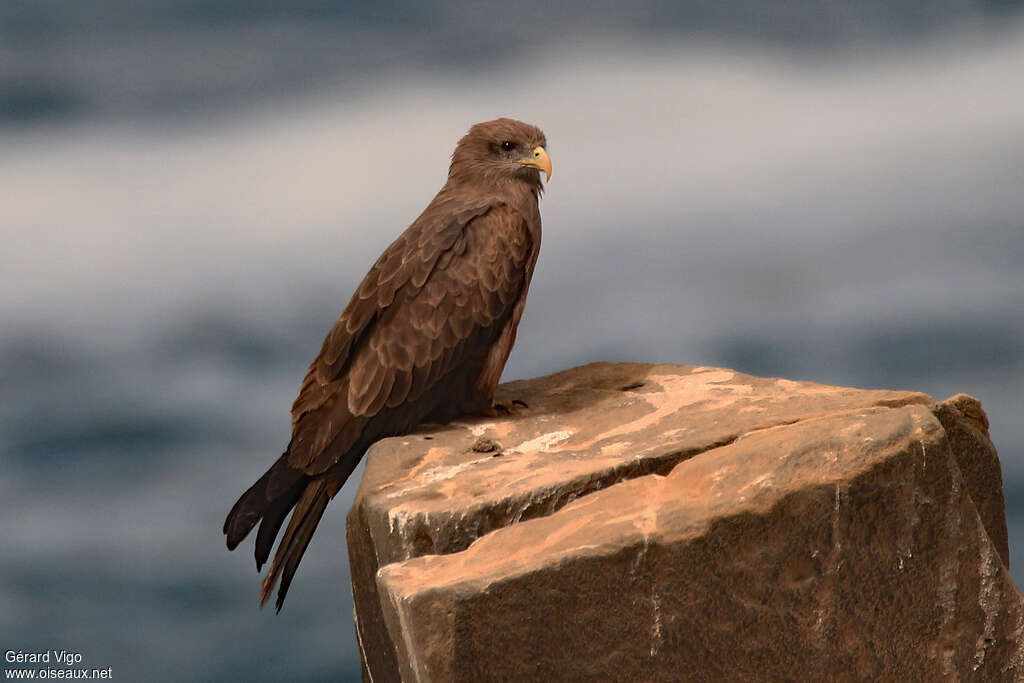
<point x="539" y="160"/>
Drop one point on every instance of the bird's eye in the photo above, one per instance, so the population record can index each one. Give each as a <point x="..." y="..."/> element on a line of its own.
<point x="508" y="145"/>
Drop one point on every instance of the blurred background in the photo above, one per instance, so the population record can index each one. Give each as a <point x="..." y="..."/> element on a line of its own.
<point x="190" y="190"/>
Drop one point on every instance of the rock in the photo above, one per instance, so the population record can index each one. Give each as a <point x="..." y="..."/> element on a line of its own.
<point x="666" y="523"/>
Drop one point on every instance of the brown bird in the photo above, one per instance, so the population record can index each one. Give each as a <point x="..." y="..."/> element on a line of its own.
<point x="424" y="338"/>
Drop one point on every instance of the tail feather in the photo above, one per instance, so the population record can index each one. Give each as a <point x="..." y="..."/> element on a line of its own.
<point x="273" y="518"/>
<point x="308" y="511"/>
<point x="255" y="502"/>
<point x="283" y="489"/>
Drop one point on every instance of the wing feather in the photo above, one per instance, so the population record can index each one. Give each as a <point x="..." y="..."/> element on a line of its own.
<point x="418" y="314"/>
<point x="400" y="389"/>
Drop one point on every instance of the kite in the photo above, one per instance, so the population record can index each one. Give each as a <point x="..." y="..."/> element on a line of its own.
<point x="424" y="338"/>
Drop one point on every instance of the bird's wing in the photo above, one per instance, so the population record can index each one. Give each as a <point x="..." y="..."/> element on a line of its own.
<point x="414" y="318"/>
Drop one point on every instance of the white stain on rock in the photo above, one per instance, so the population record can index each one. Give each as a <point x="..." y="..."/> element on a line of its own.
<point x="542" y="443"/>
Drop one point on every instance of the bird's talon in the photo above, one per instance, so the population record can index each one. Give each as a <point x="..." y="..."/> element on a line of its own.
<point x="506" y="409"/>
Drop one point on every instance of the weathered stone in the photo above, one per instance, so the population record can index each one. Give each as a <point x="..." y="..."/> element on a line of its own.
<point x="966" y="428"/>
<point x="801" y="531"/>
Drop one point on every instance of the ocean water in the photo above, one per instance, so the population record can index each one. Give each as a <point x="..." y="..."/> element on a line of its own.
<point x="175" y="250"/>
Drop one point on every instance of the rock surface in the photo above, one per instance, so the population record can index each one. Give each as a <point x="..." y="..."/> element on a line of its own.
<point x="666" y="523"/>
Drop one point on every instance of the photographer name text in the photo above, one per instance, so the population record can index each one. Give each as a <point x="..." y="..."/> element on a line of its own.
<point x="45" y="657"/>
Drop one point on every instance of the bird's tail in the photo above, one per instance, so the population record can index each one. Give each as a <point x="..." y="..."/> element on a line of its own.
<point x="308" y="510"/>
<point x="269" y="501"/>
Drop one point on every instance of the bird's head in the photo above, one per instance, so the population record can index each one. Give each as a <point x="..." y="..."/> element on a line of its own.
<point x="500" y="151"/>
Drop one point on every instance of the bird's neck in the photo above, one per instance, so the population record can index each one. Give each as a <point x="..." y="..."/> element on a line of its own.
<point x="519" y="191"/>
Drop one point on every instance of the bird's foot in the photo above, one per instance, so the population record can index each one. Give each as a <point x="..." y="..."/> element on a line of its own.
<point x="504" y="409"/>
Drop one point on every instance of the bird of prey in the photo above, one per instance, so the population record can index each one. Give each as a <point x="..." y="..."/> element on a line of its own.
<point x="424" y="338"/>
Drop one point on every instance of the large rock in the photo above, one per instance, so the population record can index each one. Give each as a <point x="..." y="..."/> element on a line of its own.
<point x="670" y="523"/>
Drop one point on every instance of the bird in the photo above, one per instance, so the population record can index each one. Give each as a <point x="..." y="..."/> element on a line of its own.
<point x="424" y="339"/>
